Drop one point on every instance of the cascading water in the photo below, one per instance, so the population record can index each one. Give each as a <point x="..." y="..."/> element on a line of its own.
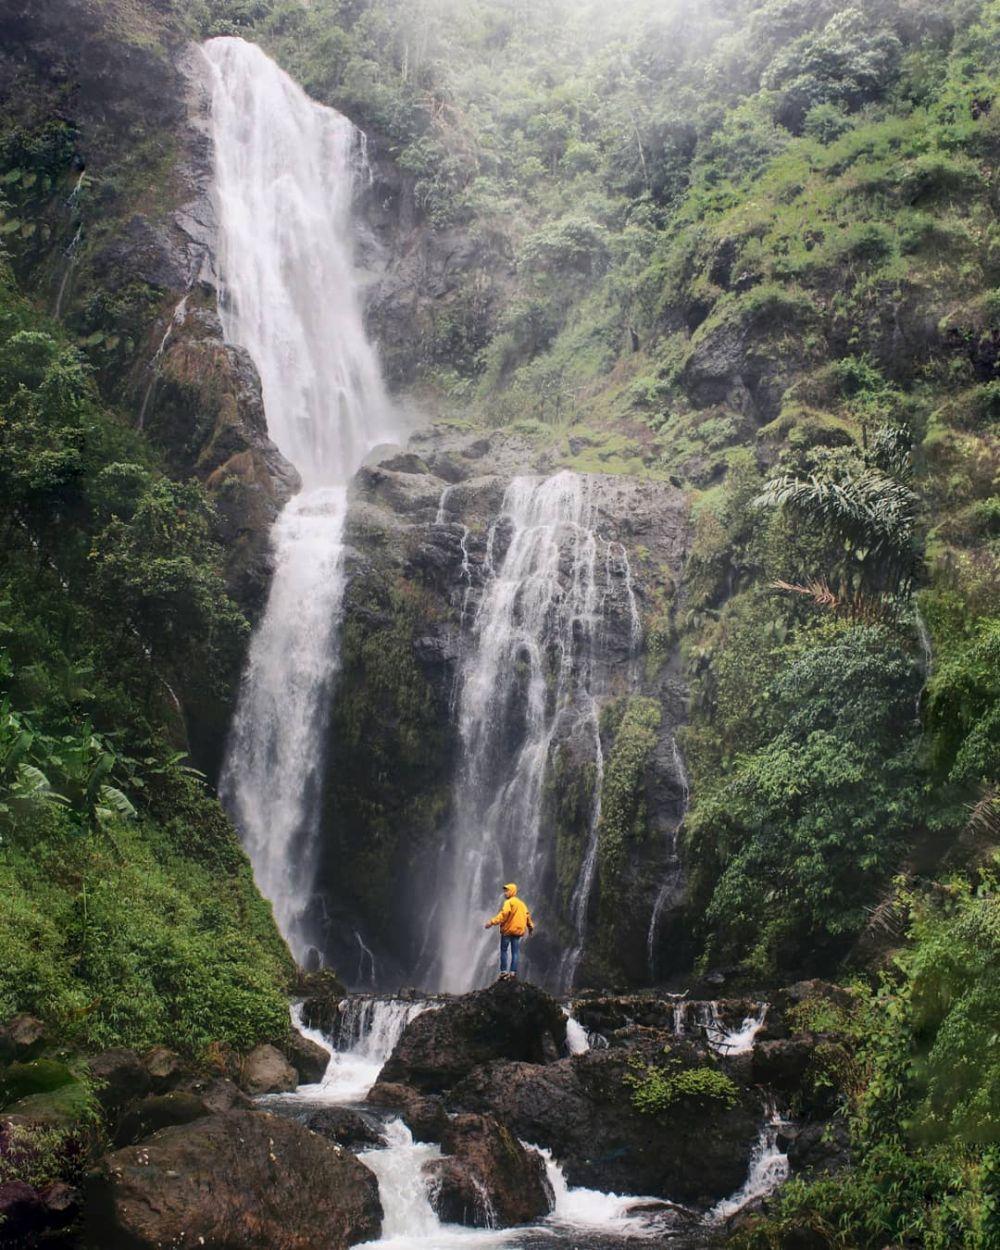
<point x="367" y="1030"/>
<point x="528" y="678"/>
<point x="285" y="173"/>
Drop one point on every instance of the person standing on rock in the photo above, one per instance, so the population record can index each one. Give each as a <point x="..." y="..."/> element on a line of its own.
<point x="514" y="920"/>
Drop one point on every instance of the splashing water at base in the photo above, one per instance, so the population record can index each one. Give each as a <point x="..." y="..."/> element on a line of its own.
<point x="367" y="1032"/>
<point x="730" y="1041"/>
<point x="768" y="1168"/>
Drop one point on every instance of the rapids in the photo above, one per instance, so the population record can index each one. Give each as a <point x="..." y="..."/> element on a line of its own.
<point x="581" y="1219"/>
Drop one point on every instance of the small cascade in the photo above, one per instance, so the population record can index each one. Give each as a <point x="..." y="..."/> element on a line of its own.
<point x="591" y="1211"/>
<point x="466" y="569"/>
<point x="176" y="319"/>
<point x="373" y="1026"/>
<point x="407" y="1213"/>
<point x="723" y="1039"/>
<point x="70" y="253"/>
<point x="680" y="1019"/>
<point x="365" y="1035"/>
<point x="673" y="878"/>
<point x="768" y="1169"/>
<point x="365" y="957"/>
<point x="577" y="1039"/>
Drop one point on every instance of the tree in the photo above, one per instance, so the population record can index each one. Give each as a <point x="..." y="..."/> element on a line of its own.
<point x="156" y="572"/>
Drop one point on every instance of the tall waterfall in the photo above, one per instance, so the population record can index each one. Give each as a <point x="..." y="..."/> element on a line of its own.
<point x="529" y="678"/>
<point x="285" y="174"/>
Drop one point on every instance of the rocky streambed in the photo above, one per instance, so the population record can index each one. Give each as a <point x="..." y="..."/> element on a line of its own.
<point x="488" y="1112"/>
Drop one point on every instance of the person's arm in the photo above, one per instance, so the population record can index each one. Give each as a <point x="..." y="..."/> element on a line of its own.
<point x="500" y="917"/>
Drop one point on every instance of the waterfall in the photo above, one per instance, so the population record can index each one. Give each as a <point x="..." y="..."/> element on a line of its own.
<point x="528" y="679"/>
<point x="285" y="173"/>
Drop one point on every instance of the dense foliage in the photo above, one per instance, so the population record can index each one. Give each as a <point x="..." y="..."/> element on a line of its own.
<point x="115" y="924"/>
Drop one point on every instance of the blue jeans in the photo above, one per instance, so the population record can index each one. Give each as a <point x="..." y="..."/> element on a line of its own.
<point x="513" y="944"/>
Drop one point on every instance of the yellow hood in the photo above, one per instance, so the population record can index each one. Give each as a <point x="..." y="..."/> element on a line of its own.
<point x="510" y="890"/>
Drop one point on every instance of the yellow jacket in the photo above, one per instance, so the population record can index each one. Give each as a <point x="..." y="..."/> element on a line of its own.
<point x="513" y="917"/>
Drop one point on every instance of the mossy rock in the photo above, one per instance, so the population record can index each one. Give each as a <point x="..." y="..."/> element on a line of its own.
<point x="38" y="1076"/>
<point x="60" y="1107"/>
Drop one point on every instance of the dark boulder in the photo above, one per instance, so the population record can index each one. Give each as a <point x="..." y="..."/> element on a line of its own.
<point x="219" y="1094"/>
<point x="27" y="1213"/>
<point x="120" y="1077"/>
<point x="242" y="1181"/>
<point x="784" y="1064"/>
<point x="818" y="1149"/>
<point x="322" y="993"/>
<point x="423" y="1114"/>
<point x="348" y="1128"/>
<point x="164" y="1067"/>
<point x="487" y="1179"/>
<point x="156" y="1112"/>
<point x="307" y="1057"/>
<point x="694" y="1151"/>
<point x="509" y="1020"/>
<point x="265" y="1070"/>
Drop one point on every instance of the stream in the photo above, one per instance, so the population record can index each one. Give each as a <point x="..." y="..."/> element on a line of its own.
<point x="581" y="1219"/>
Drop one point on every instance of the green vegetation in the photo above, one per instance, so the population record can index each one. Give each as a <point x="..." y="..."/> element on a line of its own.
<point x="127" y="911"/>
<point x="919" y="1086"/>
<point x="657" y="1088"/>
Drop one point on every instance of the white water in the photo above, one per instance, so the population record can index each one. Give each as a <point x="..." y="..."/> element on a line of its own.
<point x="577" y="1041"/>
<point x="529" y="677"/>
<point x="594" y="1211"/>
<point x="728" y="1041"/>
<point x="285" y="172"/>
<point x="367" y="1032"/>
<point x="768" y="1168"/>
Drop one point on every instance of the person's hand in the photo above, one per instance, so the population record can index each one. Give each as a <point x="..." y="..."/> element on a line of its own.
<point x="486" y="925"/>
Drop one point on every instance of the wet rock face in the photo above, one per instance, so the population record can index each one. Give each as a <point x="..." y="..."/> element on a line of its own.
<point x="245" y="1181"/>
<point x="487" y="1179"/>
<point x="346" y="1128"/>
<point x="421" y="555"/>
<point x="695" y="1151"/>
<point x="307" y="1057"/>
<point x="423" y="1114"/>
<point x="424" y="277"/>
<point x="510" y="1020"/>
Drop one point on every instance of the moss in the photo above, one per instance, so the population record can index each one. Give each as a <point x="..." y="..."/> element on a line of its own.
<point x="569" y="798"/>
<point x="388" y="774"/>
<point x="658" y="1088"/>
<point x="622" y="824"/>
